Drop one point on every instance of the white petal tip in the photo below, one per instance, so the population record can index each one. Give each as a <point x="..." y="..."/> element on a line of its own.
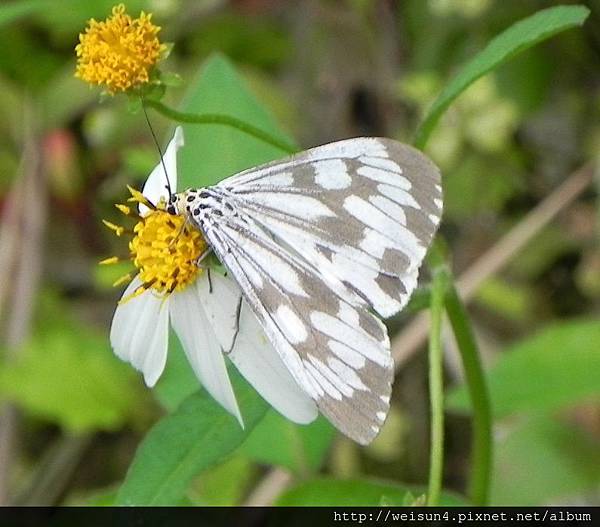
<point x="305" y="420"/>
<point x="240" y="421"/>
<point x="178" y="137"/>
<point x="150" y="380"/>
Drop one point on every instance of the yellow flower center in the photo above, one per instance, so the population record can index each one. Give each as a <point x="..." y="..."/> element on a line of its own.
<point x="119" y="52"/>
<point x="164" y="248"/>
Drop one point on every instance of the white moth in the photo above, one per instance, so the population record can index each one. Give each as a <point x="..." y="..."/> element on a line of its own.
<point x="320" y="244"/>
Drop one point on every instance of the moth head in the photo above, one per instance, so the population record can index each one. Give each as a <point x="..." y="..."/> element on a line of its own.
<point x="176" y="204"/>
<point x="183" y="203"/>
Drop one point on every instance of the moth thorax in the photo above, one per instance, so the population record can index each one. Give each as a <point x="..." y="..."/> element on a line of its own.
<point x="186" y="203"/>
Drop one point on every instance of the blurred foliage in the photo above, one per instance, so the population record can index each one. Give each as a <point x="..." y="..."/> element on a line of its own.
<point x="65" y="373"/>
<point x="348" y="493"/>
<point x="541" y="454"/>
<point x="277" y="441"/>
<point x="196" y="436"/>
<point x="315" y="71"/>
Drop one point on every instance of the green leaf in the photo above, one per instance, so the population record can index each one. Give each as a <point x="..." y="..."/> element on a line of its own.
<point x="320" y="492"/>
<point x="178" y="381"/>
<point x="198" y="435"/>
<point x="278" y="441"/>
<point x="542" y="461"/>
<point x="212" y="152"/>
<point x="517" y="38"/>
<point x="68" y="374"/>
<point x="557" y="367"/>
<point x="74" y="14"/>
<point x="514" y="301"/>
<point x="14" y="11"/>
<point x="173" y="80"/>
<point x="225" y="484"/>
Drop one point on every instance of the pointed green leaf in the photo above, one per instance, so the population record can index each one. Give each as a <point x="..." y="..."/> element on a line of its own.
<point x="198" y="435"/>
<point x="557" y="367"/>
<point x="543" y="461"/>
<point x="517" y="38"/>
<point x="216" y="151"/>
<point x="278" y="441"/>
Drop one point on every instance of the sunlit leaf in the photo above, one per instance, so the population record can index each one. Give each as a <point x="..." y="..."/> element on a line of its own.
<point x="225" y="484"/>
<point x="216" y="151"/>
<point x="68" y="374"/>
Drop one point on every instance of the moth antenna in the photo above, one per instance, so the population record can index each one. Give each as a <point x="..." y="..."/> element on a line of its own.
<point x="162" y="160"/>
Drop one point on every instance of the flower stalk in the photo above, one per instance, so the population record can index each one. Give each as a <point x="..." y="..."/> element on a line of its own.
<point x="221" y="119"/>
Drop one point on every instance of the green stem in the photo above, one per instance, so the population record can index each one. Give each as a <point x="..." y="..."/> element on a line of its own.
<point x="436" y="386"/>
<point x="481" y="461"/>
<point x="222" y="119"/>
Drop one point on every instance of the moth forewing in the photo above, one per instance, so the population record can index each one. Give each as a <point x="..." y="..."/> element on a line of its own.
<point x="316" y="242"/>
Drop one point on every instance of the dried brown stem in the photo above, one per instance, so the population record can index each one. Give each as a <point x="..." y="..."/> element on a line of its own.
<point x="54" y="471"/>
<point x="21" y="238"/>
<point x="267" y="490"/>
<point x="494" y="259"/>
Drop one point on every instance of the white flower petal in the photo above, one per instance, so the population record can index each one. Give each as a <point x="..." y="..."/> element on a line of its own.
<point x="139" y="333"/>
<point x="253" y="355"/>
<point x="155" y="187"/>
<point x="202" y="347"/>
<point x="221" y="305"/>
<point x="261" y="365"/>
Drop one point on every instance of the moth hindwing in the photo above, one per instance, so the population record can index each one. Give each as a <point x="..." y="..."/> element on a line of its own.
<point x="322" y="244"/>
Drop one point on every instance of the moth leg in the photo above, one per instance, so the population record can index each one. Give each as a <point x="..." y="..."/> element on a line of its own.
<point x="198" y="261"/>
<point x="238" y="312"/>
<point x="179" y="232"/>
<point x="186" y="223"/>
<point x="210" y="287"/>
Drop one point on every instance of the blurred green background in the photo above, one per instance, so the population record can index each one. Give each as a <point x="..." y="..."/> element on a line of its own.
<point x="72" y="415"/>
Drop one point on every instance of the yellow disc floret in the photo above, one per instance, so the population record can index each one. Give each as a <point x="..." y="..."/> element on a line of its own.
<point x="166" y="250"/>
<point x="120" y="52"/>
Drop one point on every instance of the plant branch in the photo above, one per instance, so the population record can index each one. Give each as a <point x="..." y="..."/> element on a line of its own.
<point x="54" y="471"/>
<point x="221" y="119"/>
<point x="481" y="458"/>
<point x="21" y="242"/>
<point x="436" y="385"/>
<point x="412" y="337"/>
<point x="269" y="488"/>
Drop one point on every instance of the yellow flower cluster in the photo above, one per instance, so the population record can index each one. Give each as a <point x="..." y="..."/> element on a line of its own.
<point x="120" y="52"/>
